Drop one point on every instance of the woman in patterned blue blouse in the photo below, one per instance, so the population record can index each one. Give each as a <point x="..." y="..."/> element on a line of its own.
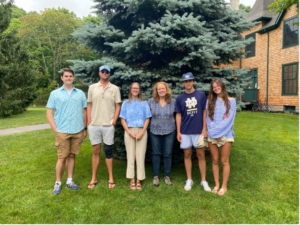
<point x="162" y="130"/>
<point x="221" y="110"/>
<point x="135" y="114"/>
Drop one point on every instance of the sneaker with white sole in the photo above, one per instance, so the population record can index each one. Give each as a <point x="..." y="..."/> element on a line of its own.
<point x="204" y="184"/>
<point x="57" y="189"/>
<point x="72" y="186"/>
<point x="188" y="185"/>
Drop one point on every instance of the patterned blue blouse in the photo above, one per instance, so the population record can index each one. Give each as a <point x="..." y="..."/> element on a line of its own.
<point x="162" y="121"/>
<point x="221" y="126"/>
<point x="135" y="112"/>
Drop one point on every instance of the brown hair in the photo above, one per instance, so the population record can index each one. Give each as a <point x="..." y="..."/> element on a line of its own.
<point x="212" y="98"/>
<point x="168" y="92"/>
<point x="67" y="70"/>
<point x="139" y="95"/>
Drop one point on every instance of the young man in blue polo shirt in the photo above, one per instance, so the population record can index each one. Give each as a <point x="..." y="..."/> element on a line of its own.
<point x="66" y="114"/>
<point x="190" y="123"/>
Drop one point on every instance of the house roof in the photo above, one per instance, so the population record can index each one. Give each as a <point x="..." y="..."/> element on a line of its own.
<point x="260" y="12"/>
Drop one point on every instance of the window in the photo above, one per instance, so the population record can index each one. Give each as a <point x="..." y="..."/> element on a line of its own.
<point x="290" y="79"/>
<point x="250" y="48"/>
<point x="290" y="32"/>
<point x="252" y="79"/>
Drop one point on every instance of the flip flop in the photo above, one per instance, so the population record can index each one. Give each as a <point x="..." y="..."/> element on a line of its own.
<point x="215" y="190"/>
<point x="222" y="192"/>
<point x="111" y="185"/>
<point x="92" y="185"/>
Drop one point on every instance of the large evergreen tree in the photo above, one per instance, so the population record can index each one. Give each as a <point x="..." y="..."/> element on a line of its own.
<point x="17" y="83"/>
<point x="151" y="40"/>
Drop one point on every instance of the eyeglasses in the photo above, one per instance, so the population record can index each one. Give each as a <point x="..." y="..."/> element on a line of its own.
<point x="187" y="81"/>
<point x="105" y="71"/>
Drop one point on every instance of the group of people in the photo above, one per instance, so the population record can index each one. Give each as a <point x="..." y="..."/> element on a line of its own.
<point x="192" y="118"/>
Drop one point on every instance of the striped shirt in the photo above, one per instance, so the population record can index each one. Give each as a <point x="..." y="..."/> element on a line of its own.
<point x="222" y="125"/>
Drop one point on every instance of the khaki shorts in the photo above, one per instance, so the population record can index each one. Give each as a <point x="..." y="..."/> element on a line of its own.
<point x="220" y="143"/>
<point x="68" y="143"/>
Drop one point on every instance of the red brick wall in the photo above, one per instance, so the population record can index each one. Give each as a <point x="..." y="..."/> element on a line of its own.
<point x="277" y="57"/>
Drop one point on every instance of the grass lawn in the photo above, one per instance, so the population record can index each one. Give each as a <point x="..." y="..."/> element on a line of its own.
<point x="31" y="116"/>
<point x="263" y="186"/>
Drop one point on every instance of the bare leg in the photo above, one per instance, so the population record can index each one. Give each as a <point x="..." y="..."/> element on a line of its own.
<point x="95" y="162"/>
<point x="109" y="165"/>
<point x="70" y="162"/>
<point x="214" y="150"/>
<point x="225" y="152"/>
<point x="188" y="162"/>
<point x="60" y="167"/>
<point x="201" y="162"/>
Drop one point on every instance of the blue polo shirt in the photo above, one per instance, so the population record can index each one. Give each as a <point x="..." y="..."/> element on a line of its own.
<point x="68" y="109"/>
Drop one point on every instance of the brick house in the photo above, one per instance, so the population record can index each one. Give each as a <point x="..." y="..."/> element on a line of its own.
<point x="273" y="58"/>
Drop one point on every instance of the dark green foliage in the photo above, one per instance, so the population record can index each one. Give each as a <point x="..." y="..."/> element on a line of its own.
<point x="152" y="40"/>
<point x="16" y="78"/>
<point x="245" y="8"/>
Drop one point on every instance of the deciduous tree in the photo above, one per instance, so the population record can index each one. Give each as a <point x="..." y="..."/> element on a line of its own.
<point x="17" y="82"/>
<point x="279" y="5"/>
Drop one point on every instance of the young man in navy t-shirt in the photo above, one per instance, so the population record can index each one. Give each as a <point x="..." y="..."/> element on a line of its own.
<point x="190" y="123"/>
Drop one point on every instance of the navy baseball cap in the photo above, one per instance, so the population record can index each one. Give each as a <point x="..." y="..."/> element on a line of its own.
<point x="105" y="67"/>
<point x="187" y="76"/>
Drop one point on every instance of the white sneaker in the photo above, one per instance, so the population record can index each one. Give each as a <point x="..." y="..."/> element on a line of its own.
<point x="188" y="185"/>
<point x="205" y="186"/>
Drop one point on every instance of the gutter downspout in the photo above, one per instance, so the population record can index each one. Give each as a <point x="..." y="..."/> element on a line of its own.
<point x="267" y="80"/>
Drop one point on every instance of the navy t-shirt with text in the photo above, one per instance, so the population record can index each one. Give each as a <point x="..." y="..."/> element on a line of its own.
<point x="191" y="107"/>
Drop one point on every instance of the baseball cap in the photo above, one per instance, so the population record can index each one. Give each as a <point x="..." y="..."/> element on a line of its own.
<point x="104" y="67"/>
<point x="187" y="76"/>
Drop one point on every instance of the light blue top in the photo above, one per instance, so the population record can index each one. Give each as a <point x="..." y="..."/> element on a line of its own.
<point x="163" y="120"/>
<point x="68" y="109"/>
<point x="135" y="112"/>
<point x="221" y="126"/>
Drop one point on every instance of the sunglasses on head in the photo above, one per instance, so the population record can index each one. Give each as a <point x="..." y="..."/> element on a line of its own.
<point x="104" y="71"/>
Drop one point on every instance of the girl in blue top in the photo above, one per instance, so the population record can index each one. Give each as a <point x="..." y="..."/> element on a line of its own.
<point x="135" y="114"/>
<point x="221" y="110"/>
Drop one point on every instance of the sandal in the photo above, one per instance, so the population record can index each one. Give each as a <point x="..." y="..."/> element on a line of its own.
<point x="215" y="190"/>
<point x="132" y="185"/>
<point x="139" y="186"/>
<point x="222" y="192"/>
<point x="111" y="185"/>
<point x="92" y="185"/>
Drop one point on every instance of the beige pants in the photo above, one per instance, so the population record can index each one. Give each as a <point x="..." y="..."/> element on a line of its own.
<point x="136" y="151"/>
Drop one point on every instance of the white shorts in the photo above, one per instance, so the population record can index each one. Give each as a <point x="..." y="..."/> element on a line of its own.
<point x="189" y="140"/>
<point x="99" y="134"/>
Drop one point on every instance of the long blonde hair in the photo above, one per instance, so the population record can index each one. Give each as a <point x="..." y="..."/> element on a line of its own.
<point x="212" y="98"/>
<point x="168" y="92"/>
